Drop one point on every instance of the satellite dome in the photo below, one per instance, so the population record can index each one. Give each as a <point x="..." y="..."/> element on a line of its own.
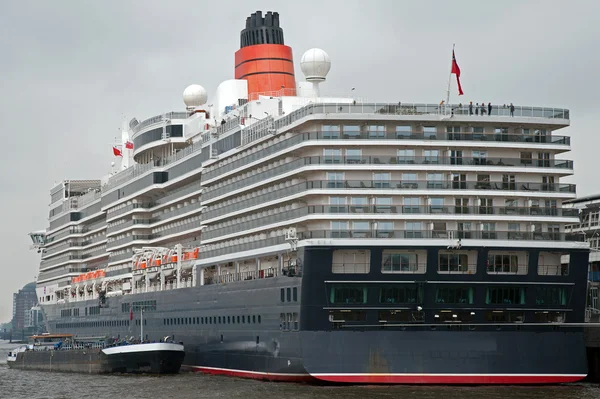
<point x="194" y="96"/>
<point x="315" y="64"/>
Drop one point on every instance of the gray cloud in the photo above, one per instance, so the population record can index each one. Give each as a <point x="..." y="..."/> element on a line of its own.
<point x="72" y="70"/>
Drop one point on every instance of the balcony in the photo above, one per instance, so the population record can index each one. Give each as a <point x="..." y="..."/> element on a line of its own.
<point x="441" y="185"/>
<point x="224" y="166"/>
<point x="442" y="210"/>
<point x="446" y="234"/>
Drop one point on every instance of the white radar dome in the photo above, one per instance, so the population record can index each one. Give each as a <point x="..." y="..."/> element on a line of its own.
<point x="315" y="64"/>
<point x="194" y="96"/>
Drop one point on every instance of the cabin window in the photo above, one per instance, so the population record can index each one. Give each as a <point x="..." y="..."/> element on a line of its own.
<point x="454" y="295"/>
<point x="351" y="261"/>
<point x="331" y="131"/>
<point x="398" y="294"/>
<point x="348" y="294"/>
<point x="282" y="294"/>
<point x="403" y="261"/>
<point x="295" y="294"/>
<point x="505" y="296"/>
<point x="551" y="296"/>
<point x="457" y="262"/>
<point x="507" y="262"/>
<point x="289" y="294"/>
<point x="553" y="263"/>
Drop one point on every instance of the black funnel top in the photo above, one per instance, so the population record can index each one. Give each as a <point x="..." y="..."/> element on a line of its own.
<point x="261" y="30"/>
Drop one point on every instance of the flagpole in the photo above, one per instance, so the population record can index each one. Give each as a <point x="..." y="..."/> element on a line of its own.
<point x="449" y="78"/>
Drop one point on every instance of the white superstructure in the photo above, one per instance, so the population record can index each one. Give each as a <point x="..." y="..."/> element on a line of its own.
<point x="232" y="191"/>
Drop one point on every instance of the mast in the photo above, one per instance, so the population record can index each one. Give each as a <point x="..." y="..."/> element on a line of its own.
<point x="449" y="78"/>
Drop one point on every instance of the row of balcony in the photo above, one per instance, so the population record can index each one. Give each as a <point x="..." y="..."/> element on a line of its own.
<point x="185" y="227"/>
<point x="439" y="160"/>
<point x="44" y="264"/>
<point x="444" y="210"/>
<point x="236" y="226"/>
<point x="172" y="195"/>
<point x="61" y="247"/>
<point x="213" y="212"/>
<point x="146" y="223"/>
<point x="443" y="234"/>
<point x="75" y="230"/>
<point x="217" y="190"/>
<point x="215" y="171"/>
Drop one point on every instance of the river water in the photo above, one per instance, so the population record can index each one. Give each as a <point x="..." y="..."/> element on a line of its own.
<point x="15" y="384"/>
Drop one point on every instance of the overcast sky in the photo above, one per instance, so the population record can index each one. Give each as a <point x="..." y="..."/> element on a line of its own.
<point x="70" y="71"/>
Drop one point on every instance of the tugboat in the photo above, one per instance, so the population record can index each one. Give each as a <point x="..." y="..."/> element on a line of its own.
<point x="97" y="355"/>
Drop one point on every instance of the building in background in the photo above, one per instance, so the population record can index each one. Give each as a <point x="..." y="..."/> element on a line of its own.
<point x="34" y="318"/>
<point x="23" y="301"/>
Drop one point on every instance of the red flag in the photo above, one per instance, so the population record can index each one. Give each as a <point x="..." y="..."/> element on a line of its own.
<point x="130" y="314"/>
<point x="456" y="71"/>
<point x="129" y="145"/>
<point x="117" y="152"/>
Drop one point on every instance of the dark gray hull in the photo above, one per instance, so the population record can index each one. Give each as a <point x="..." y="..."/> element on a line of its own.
<point x="236" y="329"/>
<point x="445" y="357"/>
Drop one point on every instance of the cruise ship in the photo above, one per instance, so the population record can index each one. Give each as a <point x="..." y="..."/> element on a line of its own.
<point x="282" y="234"/>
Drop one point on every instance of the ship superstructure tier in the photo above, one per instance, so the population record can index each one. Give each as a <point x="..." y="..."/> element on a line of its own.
<point x="266" y="215"/>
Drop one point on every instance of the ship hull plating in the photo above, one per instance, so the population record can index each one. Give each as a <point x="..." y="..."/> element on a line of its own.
<point x="445" y="357"/>
<point x="242" y="329"/>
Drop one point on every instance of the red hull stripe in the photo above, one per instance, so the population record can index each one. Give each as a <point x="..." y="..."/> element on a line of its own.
<point x="252" y="374"/>
<point x="467" y="379"/>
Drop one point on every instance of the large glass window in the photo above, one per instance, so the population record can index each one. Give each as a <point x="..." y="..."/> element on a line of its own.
<point x="353" y="155"/>
<point x="331" y="131"/>
<point x="403" y="131"/>
<point x="453" y="262"/>
<point x="406" y="156"/>
<point x="502" y="263"/>
<point x="431" y="156"/>
<point x="413" y="230"/>
<point x="381" y="180"/>
<point x="332" y="155"/>
<point x="337" y="204"/>
<point x="398" y="295"/>
<point x="430" y="132"/>
<point x="359" y="204"/>
<point x="360" y="229"/>
<point x="384" y="229"/>
<point x="383" y="205"/>
<point x="436" y="205"/>
<point x="435" y="180"/>
<point x="339" y="229"/>
<point x="335" y="179"/>
<point x="351" y="130"/>
<point x="505" y="296"/>
<point x="399" y="262"/>
<point x="480" y="157"/>
<point x="376" y="131"/>
<point x="348" y="294"/>
<point x="411" y="205"/>
<point x="454" y="295"/>
<point x="551" y="296"/>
